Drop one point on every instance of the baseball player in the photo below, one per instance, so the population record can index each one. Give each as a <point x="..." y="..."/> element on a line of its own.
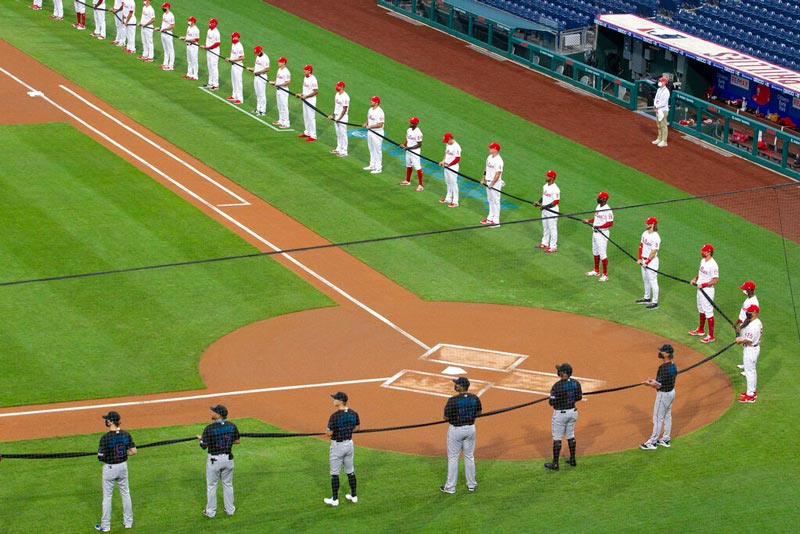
<point x="661" y="105"/>
<point x="374" y="125"/>
<point x="548" y="203"/>
<point x="166" y="29"/>
<point x="281" y="82"/>
<point x="492" y="179"/>
<point x="664" y="384"/>
<point x="706" y="279"/>
<point x="750" y="339"/>
<point x="412" y="146"/>
<point x="212" y="58"/>
<point x="146" y="24"/>
<point x="80" y="15"/>
<point x="129" y="19"/>
<point x="99" y="14"/>
<point x="460" y="411"/>
<point x="119" y="23"/>
<point x="563" y="396"/>
<point x="648" y="259"/>
<point x="450" y="163"/>
<point x="749" y="289"/>
<point x="236" y="60"/>
<point x="341" y="425"/>
<point x="309" y="96"/>
<point x="58" y="10"/>
<point x="601" y="223"/>
<point x="115" y="447"/>
<point x="192" y="39"/>
<point x="219" y="437"/>
<point x="260" y="70"/>
<point x="341" y="106"/>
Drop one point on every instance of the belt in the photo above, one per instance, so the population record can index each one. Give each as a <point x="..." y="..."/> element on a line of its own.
<point x="342" y="441"/>
<point x="567" y="410"/>
<point x="220" y="454"/>
<point x="756" y="345"/>
<point x="463" y="424"/>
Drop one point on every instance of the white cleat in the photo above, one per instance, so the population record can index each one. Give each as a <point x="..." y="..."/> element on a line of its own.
<point x="353" y="499"/>
<point x="330" y="501"/>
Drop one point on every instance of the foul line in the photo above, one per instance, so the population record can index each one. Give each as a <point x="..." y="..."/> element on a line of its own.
<point x="231" y="219"/>
<point x="191" y="397"/>
<point x="239" y="108"/>
<point x="198" y="172"/>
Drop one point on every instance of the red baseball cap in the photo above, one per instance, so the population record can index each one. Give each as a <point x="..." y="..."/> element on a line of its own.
<point x="753" y="309"/>
<point x="281" y="59"/>
<point x="550" y="174"/>
<point x="748" y="286"/>
<point x="708" y="247"/>
<point x="166" y="5"/>
<point x="413" y="120"/>
<point x="603" y="195"/>
<point x="309" y="68"/>
<point x="340" y="84"/>
<point x="375" y="99"/>
<point x="258" y="49"/>
<point x="192" y="20"/>
<point x="235" y="35"/>
<point x="651" y="220"/>
<point x="447" y="137"/>
<point x="663" y="79"/>
<point x="495" y="146"/>
<point x="213" y="22"/>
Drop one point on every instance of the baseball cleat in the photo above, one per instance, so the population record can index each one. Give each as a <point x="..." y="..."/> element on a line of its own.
<point x="471" y="490"/>
<point x="740" y="366"/>
<point x="236" y="102"/>
<point x="743" y="373"/>
<point x="708" y="339"/>
<point x="485" y="221"/>
<point x="443" y="201"/>
<point x="647" y="446"/>
<point x="493" y="224"/>
<point x="541" y="246"/>
<point x="755" y="394"/>
<point x="551" y="250"/>
<point x="375" y="171"/>
<point x="310" y="139"/>
<point x="663" y="443"/>
<point x="230" y="98"/>
<point x="662" y="144"/>
<point x="697" y="332"/>
<point x="452" y="205"/>
<point x="333" y="151"/>
<point x="656" y="141"/>
<point x="341" y="155"/>
<point x="302" y="135"/>
<point x="572" y="462"/>
<point x="404" y="182"/>
<point x="643" y="300"/>
<point x="419" y="188"/>
<point x="276" y="123"/>
<point x="553" y="466"/>
<point x="331" y="501"/>
<point x="592" y="273"/>
<point x="352" y="498"/>
<point x="205" y="513"/>
<point x="653" y="306"/>
<point x="368" y="168"/>
<point x="100" y="37"/>
<point x="747" y="398"/>
<point x="444" y="490"/>
<point x="603" y="278"/>
<point x="98" y="528"/>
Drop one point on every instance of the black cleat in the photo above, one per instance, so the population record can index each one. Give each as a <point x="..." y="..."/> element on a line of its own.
<point x="553" y="466"/>
<point x="572" y="462"/>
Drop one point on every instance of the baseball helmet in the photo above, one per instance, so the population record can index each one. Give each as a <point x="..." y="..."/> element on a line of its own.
<point x="413" y="120"/>
<point x="462" y="381"/>
<point x="651" y="220"/>
<point x="376" y="99"/>
<point x="753" y="309"/>
<point x="112" y="417"/>
<point x="340" y="396"/>
<point x="564" y="368"/>
<point x="235" y="35"/>
<point x="282" y="60"/>
<point x="340" y="84"/>
<point x="309" y="68"/>
<point x="447" y="137"/>
<point x="708" y="247"/>
<point x="258" y="49"/>
<point x="550" y="174"/>
<point x="220" y="410"/>
<point x="213" y="23"/>
<point x="193" y="20"/>
<point x="166" y="5"/>
<point x="603" y="195"/>
<point x="663" y="79"/>
<point x="748" y="286"/>
<point x="495" y="146"/>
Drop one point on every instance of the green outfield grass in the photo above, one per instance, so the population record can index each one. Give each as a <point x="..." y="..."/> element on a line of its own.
<point x="739" y="472"/>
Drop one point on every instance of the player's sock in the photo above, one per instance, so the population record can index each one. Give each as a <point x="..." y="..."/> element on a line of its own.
<point x="351" y="478"/>
<point x="597" y="264"/>
<point x="419" y="176"/>
<point x="571" y="443"/>
<point x="711" y="326"/>
<point x="605" y="266"/>
<point x="702" y="326"/>
<point x="335" y="487"/>
<point x="83" y="19"/>
<point x="556" y="451"/>
<point x="408" y="174"/>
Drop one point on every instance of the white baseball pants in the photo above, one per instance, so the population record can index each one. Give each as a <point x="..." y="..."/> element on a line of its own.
<point x="260" y="88"/>
<point x="310" y="118"/>
<point x="412" y="159"/>
<point x="650" y="279"/>
<point x="58" y="9"/>
<point x="282" y="100"/>
<point x="341" y="136"/>
<point x="100" y="22"/>
<point x="147" y="42"/>
<point x="169" y="50"/>
<point x="493" y="195"/>
<point x="375" y="144"/>
<point x="550" y="228"/>
<point x="600" y="242"/>
<point x="451" y="181"/>
<point x="212" y="62"/>
<point x="704" y="304"/>
<point x="236" y="81"/>
<point x="191" y="61"/>
<point x="750" y="357"/>
<point x="130" y="34"/>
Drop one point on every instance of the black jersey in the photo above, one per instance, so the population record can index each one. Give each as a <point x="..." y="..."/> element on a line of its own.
<point x="342" y="423"/>
<point x="462" y="409"/>
<point x="114" y="447"/>
<point x="565" y="393"/>
<point x="666" y="376"/>
<point x="219" y="437"/>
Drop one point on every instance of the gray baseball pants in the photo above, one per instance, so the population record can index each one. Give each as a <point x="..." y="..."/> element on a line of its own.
<point x="219" y="468"/>
<point x="342" y="453"/>
<point x="116" y="474"/>
<point x="662" y="414"/>
<point x="563" y="424"/>
<point x="460" y="440"/>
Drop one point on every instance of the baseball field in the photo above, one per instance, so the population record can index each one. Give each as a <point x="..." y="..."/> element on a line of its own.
<point x="164" y="250"/>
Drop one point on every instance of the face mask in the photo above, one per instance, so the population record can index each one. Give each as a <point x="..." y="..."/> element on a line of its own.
<point x="745" y="292"/>
<point x="600" y="201"/>
<point x="660" y="356"/>
<point x="107" y="424"/>
<point x="164" y="10"/>
<point x="749" y="315"/>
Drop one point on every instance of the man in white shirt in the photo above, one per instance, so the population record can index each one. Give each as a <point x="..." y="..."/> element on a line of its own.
<point x="99" y="19"/>
<point x="374" y="126"/>
<point x="341" y="107"/>
<point x="129" y="21"/>
<point x="236" y="60"/>
<point x="212" y="54"/>
<point x="648" y="259"/>
<point x="601" y="223"/>
<point x="548" y="203"/>
<point x="750" y="339"/>
<point x="192" y="39"/>
<point x="661" y="105"/>
<point x="119" y="23"/>
<point x="309" y="97"/>
<point x="412" y="146"/>
<point x="166" y="29"/>
<point x="749" y="289"/>
<point x="260" y="70"/>
<point x="450" y="163"/>
<point x="281" y="82"/>
<point x="492" y="179"/>
<point x="706" y="279"/>
<point x="146" y="23"/>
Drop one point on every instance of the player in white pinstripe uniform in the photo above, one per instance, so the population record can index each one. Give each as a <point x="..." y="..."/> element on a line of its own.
<point x="146" y="24"/>
<point x="450" y="163"/>
<point x="192" y="39"/>
<point x="281" y="82"/>
<point x="167" y="28"/>
<point x="260" y="70"/>
<point x="309" y="96"/>
<point x="750" y="339"/>
<point x="341" y="109"/>
<point x="236" y="60"/>
<point x="548" y="203"/>
<point x="648" y="259"/>
<point x="212" y="54"/>
<point x="492" y="179"/>
<point x="601" y="223"/>
<point x="707" y="277"/>
<point x="413" y="146"/>
<point x="99" y="19"/>
<point x="374" y="126"/>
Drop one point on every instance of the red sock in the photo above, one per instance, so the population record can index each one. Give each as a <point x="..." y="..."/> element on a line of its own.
<point x="597" y="264"/>
<point x="702" y="323"/>
<point x="83" y="19"/>
<point x="711" y="326"/>
<point x="408" y="174"/>
<point x="419" y="176"/>
<point x="78" y="19"/>
<point x="605" y="266"/>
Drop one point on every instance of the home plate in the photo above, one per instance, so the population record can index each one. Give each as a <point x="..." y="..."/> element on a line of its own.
<point x="450" y="370"/>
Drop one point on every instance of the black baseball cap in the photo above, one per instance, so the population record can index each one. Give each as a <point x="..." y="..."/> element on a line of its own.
<point x="340" y="396"/>
<point x="564" y="368"/>
<point x="462" y="381"/>
<point x="113" y="417"/>
<point x="220" y="410"/>
<point x="666" y="347"/>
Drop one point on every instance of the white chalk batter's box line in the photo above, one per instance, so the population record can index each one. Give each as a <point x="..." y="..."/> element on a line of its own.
<point x="389" y="383"/>
<point x="242" y="110"/>
<point x="519" y="357"/>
